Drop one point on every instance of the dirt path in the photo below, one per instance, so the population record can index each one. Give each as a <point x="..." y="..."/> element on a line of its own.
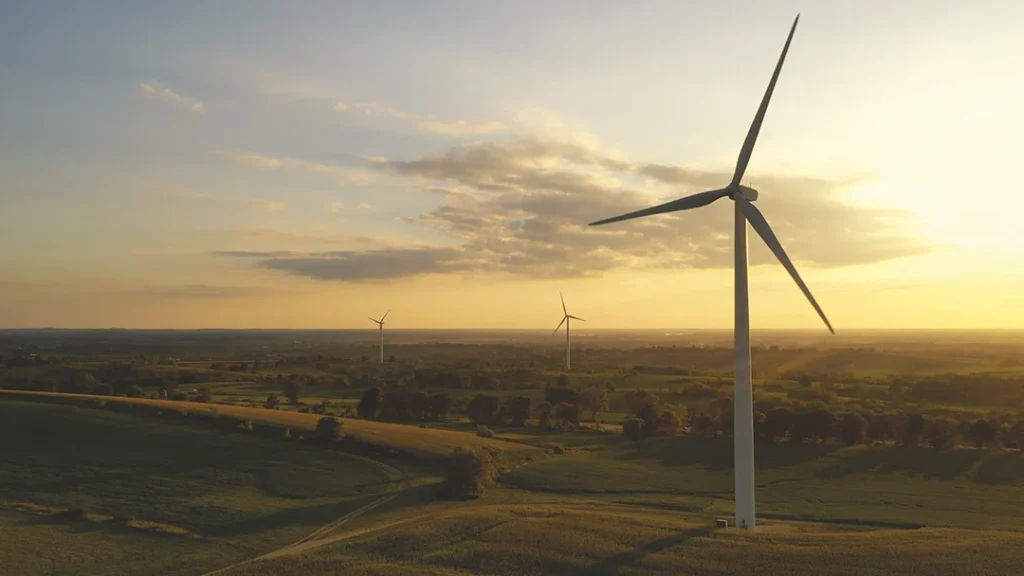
<point x="330" y="527"/>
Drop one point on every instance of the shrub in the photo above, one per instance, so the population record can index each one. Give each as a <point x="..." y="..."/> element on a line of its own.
<point x="484" y="432"/>
<point x="272" y="402"/>
<point x="204" y="395"/>
<point x="633" y="429"/>
<point x="179" y="396"/>
<point x="328" y="430"/>
<point x="293" y="391"/>
<point x="470" y="472"/>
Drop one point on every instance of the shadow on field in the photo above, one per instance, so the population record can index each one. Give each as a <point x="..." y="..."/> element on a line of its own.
<point x="927" y="462"/>
<point x="1001" y="469"/>
<point x="314" y="516"/>
<point x="717" y="454"/>
<point x="611" y="566"/>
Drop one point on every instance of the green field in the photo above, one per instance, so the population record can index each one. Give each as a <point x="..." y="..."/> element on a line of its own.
<point x="100" y="476"/>
<point x="595" y="539"/>
<point x="176" y="497"/>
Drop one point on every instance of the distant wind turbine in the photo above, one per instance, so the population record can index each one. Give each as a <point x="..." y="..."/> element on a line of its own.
<point x="565" y="320"/>
<point x="380" y="324"/>
<point x="742" y="196"/>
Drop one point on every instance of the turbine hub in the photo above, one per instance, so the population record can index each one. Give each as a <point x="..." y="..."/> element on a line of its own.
<point x="748" y="193"/>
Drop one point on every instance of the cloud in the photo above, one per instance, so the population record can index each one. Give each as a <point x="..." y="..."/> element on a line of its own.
<point x="374" y="265"/>
<point x="423" y="124"/>
<point x="206" y="292"/>
<point x="273" y="163"/>
<point x="522" y="208"/>
<point x="293" y="237"/>
<point x="264" y="205"/>
<point x="156" y="91"/>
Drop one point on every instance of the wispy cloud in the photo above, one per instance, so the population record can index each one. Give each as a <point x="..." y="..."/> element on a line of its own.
<point x="521" y="207"/>
<point x="156" y="91"/>
<point x="265" y="205"/>
<point x="422" y="123"/>
<point x="207" y="292"/>
<point x="273" y="163"/>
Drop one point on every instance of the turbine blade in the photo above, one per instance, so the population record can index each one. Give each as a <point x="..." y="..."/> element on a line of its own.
<point x="759" y="224"/>
<point x="385" y="315"/>
<point x="564" y="311"/>
<point x="687" y="203"/>
<point x="374" y="319"/>
<point x="559" y="325"/>
<point x="576" y="318"/>
<point x="755" y="127"/>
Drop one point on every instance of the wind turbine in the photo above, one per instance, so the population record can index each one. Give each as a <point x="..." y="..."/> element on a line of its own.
<point x="380" y="324"/>
<point x="565" y="320"/>
<point x="744" y="212"/>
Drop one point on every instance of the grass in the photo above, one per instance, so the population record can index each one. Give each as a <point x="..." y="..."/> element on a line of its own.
<point x="881" y="484"/>
<point x="158" y="495"/>
<point x="427" y="443"/>
<point x="580" y="539"/>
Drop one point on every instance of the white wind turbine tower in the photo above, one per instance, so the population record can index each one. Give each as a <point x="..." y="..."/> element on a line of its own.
<point x="380" y="324"/>
<point x="745" y="211"/>
<point x="565" y="320"/>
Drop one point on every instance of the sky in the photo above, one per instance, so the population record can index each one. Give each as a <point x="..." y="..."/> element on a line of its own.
<point x="247" y="164"/>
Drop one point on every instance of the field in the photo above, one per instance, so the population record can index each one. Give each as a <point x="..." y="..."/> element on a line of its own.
<point x="98" y="475"/>
<point x="120" y="490"/>
<point x="588" y="540"/>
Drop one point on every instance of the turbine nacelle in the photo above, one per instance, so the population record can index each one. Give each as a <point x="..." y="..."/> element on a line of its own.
<point x="744" y="191"/>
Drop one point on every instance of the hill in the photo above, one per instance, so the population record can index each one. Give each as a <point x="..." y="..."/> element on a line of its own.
<point x="129" y="495"/>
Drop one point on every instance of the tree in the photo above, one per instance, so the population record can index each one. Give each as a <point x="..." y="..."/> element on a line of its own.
<point x="470" y="472"/>
<point x="484" y="409"/>
<point x="544" y="412"/>
<point x="369" y="404"/>
<point x="702" y="425"/>
<point x="778" y="424"/>
<point x="518" y="410"/>
<point x="402" y="406"/>
<point x="205" y="394"/>
<point x="817" y="425"/>
<point x="439" y="405"/>
<point x="667" y="423"/>
<point x="805" y="381"/>
<point x="557" y="394"/>
<point x="913" y="430"/>
<point x="594" y="399"/>
<point x="328" y="430"/>
<point x="649" y="414"/>
<point x="941" y="434"/>
<point x="853" y="429"/>
<point x="1016" y="435"/>
<point x="984" y="433"/>
<point x="567" y="415"/>
<point x="293" y="390"/>
<point x="272" y="402"/>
